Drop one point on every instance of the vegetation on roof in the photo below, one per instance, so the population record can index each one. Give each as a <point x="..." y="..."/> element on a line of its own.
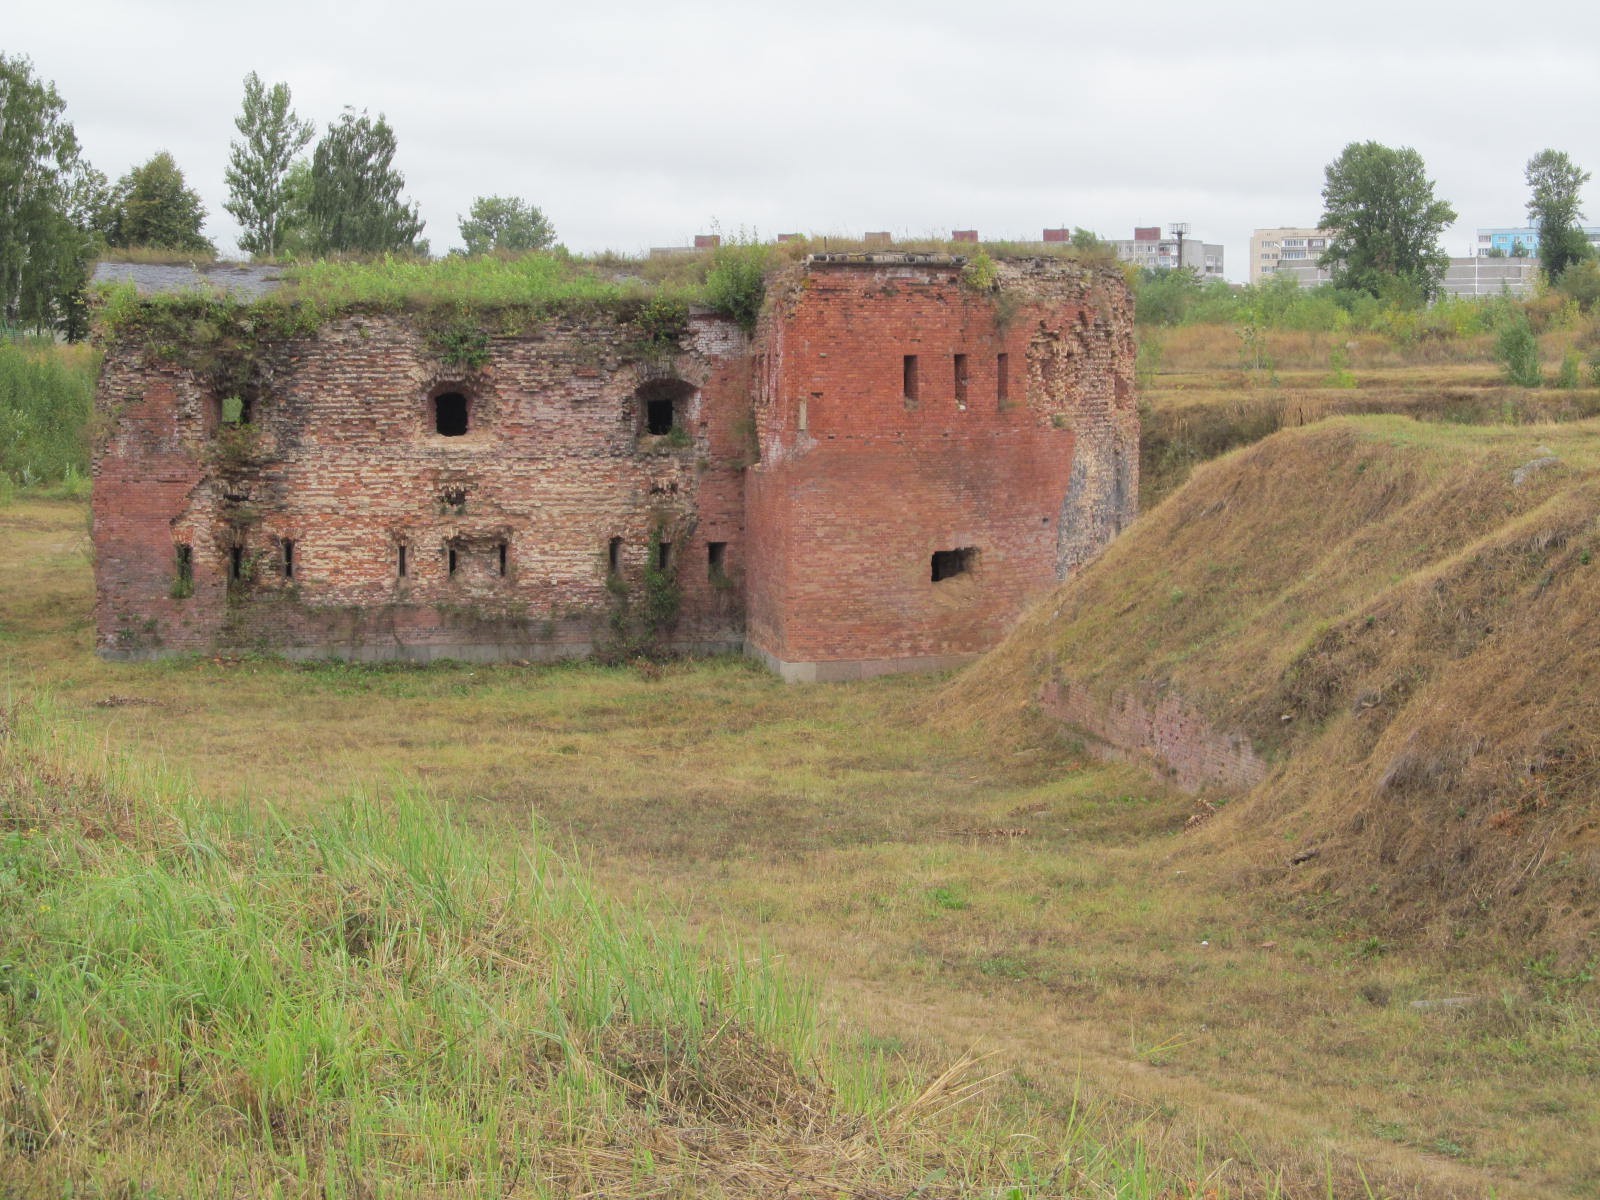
<point x="729" y="279"/>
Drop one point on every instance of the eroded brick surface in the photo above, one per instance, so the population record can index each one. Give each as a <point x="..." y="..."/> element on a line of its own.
<point x="1162" y="727"/>
<point x="797" y="462"/>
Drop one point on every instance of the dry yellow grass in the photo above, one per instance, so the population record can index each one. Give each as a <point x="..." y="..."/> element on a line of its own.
<point x="1402" y="617"/>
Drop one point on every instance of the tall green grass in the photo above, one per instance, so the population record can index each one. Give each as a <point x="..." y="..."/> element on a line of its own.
<point x="197" y="998"/>
<point x="46" y="396"/>
<point x="552" y="279"/>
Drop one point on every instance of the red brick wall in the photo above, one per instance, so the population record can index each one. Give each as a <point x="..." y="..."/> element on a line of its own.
<point x="828" y="538"/>
<point x="349" y="467"/>
<point x="858" y="486"/>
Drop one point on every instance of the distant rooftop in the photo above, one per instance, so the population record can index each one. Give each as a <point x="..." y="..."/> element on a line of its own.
<point x="243" y="281"/>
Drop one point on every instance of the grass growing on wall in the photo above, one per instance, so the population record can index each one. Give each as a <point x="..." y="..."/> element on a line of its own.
<point x="46" y="394"/>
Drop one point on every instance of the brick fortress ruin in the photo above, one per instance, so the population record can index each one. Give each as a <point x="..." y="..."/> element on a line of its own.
<point x="878" y="479"/>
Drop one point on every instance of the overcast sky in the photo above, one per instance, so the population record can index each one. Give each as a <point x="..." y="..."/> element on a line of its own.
<point x="639" y="124"/>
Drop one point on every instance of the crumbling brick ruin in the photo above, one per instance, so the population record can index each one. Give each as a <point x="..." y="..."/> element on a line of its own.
<point x="878" y="479"/>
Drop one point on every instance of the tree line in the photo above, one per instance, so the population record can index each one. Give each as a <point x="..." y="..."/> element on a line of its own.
<point x="58" y="213"/>
<point x="1378" y="202"/>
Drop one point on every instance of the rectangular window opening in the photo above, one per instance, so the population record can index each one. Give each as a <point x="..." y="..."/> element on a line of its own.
<point x="183" y="583"/>
<point x="911" y="378"/>
<point x="1002" y="378"/>
<point x="288" y="558"/>
<point x="716" y="557"/>
<point x="659" y="416"/>
<point x="236" y="563"/>
<point x="961" y="381"/>
<point x="614" y="556"/>
<point x="503" y="548"/>
<point x="452" y="561"/>
<point x="947" y="564"/>
<point x="663" y="555"/>
<point x="400" y="562"/>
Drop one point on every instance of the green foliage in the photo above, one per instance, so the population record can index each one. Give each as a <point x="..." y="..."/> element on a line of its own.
<point x="153" y="206"/>
<point x="553" y="281"/>
<point x="355" y="205"/>
<point x="1518" y="350"/>
<point x="662" y="320"/>
<point x="236" y="446"/>
<point x="506" y="224"/>
<point x="46" y="396"/>
<point x="462" y="343"/>
<point x="1570" y="374"/>
<point x="662" y="599"/>
<point x="1581" y="284"/>
<point x="642" y="618"/>
<point x="980" y="273"/>
<point x="49" y="204"/>
<point x="1379" y="202"/>
<point x="1341" y="376"/>
<point x="1555" y="184"/>
<point x="736" y="284"/>
<point x="1164" y="297"/>
<point x="258" y="166"/>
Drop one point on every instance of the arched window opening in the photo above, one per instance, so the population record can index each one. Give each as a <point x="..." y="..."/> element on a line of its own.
<point x="664" y="407"/>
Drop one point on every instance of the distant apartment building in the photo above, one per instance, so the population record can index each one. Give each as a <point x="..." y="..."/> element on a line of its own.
<point x="1484" y="276"/>
<point x="1296" y="253"/>
<point x="1293" y="251"/>
<point x="1507" y="241"/>
<point x="1147" y="248"/>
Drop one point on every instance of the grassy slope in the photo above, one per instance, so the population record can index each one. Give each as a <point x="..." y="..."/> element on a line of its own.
<point x="1412" y="638"/>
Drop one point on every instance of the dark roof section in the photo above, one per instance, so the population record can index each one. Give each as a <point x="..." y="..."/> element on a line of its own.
<point x="242" y="281"/>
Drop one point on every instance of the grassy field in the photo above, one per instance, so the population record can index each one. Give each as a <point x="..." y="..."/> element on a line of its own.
<point x="1204" y="390"/>
<point x="986" y="890"/>
<point x="865" y="882"/>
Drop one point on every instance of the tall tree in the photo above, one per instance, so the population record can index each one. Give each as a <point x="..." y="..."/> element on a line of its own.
<point x="1554" y="182"/>
<point x="46" y="192"/>
<point x="355" y="204"/>
<point x="505" y="223"/>
<point x="294" y="221"/>
<point x="153" y="206"/>
<point x="258" y="165"/>
<point x="1379" y="202"/>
